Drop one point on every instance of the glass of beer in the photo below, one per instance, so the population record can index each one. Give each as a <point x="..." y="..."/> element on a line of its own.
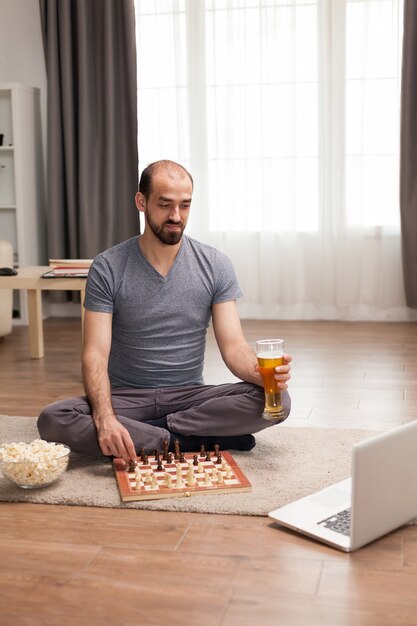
<point x="269" y="353"/>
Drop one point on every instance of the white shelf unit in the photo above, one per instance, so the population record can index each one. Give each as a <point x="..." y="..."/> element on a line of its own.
<point x="22" y="220"/>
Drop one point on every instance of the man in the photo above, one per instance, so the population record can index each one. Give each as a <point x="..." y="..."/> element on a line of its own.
<point x="148" y="304"/>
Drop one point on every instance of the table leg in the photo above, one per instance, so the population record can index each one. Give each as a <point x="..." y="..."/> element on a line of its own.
<point x="35" y="323"/>
<point x="82" y="296"/>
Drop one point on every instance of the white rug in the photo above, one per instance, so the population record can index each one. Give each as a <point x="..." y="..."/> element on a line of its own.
<point x="287" y="463"/>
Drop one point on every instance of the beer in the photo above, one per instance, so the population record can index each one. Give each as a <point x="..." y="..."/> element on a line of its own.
<point x="270" y="355"/>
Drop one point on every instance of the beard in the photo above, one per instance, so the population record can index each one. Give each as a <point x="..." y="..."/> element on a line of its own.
<point x="168" y="237"/>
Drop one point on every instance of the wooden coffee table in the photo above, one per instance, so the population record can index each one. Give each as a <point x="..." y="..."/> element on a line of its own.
<point x="30" y="278"/>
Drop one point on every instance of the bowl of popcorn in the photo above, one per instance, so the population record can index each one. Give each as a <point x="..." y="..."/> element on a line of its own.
<point x="35" y="464"/>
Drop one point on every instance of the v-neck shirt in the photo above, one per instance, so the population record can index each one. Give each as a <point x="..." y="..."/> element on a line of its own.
<point x="159" y="322"/>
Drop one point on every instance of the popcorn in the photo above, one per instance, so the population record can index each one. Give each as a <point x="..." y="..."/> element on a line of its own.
<point x="34" y="464"/>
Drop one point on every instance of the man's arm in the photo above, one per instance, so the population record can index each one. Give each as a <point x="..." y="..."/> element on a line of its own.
<point x="237" y="354"/>
<point x="112" y="436"/>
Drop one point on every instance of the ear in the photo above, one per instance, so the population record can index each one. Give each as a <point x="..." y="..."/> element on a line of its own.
<point x="140" y="201"/>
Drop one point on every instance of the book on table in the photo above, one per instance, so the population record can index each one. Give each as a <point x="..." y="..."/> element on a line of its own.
<point x="68" y="268"/>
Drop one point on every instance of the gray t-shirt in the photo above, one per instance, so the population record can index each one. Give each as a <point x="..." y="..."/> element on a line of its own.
<point x="159" y="322"/>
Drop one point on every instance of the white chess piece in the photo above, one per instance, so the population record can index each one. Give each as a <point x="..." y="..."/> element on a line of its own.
<point x="180" y="481"/>
<point x="190" y="476"/>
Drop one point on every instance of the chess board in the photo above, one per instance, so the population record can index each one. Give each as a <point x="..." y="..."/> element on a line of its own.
<point x="152" y="484"/>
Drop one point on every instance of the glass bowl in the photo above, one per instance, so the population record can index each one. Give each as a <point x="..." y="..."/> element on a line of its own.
<point x="38" y="469"/>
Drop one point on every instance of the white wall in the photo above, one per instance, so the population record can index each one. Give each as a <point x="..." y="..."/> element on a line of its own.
<point x="21" y="50"/>
<point x="22" y="61"/>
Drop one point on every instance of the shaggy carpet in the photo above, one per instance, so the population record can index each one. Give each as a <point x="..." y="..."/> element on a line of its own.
<point x="287" y="463"/>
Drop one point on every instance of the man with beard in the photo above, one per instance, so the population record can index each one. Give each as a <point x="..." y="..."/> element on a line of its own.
<point x="149" y="301"/>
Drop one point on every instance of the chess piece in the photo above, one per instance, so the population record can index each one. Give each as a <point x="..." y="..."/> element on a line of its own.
<point x="165" y="449"/>
<point x="132" y="465"/>
<point x="195" y="459"/>
<point x="207" y="456"/>
<point x="176" y="450"/>
<point x="180" y="481"/>
<point x="190" y="476"/>
<point x="202" y="450"/>
<point x="216" y="449"/>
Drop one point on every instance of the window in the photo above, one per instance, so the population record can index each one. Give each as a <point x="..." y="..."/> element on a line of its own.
<point x="373" y="71"/>
<point x="285" y="111"/>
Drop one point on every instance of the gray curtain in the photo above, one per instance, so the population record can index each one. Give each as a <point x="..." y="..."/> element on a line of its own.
<point x="408" y="153"/>
<point x="90" y="52"/>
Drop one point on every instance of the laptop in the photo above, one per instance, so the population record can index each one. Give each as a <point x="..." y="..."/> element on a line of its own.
<point x="380" y="497"/>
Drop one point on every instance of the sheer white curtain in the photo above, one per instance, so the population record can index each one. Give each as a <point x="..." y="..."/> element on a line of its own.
<point x="286" y="112"/>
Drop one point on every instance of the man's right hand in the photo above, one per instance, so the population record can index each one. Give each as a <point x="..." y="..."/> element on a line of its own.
<point x="114" y="439"/>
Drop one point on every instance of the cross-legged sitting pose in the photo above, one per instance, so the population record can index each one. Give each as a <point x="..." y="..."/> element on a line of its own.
<point x="149" y="301"/>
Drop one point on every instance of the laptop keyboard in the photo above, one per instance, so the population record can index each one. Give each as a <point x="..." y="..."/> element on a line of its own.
<point x="340" y="522"/>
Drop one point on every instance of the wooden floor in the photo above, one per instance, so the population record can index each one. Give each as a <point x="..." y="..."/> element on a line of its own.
<point x="75" y="565"/>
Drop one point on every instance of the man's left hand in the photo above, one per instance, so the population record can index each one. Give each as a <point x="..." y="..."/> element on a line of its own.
<point x="282" y="373"/>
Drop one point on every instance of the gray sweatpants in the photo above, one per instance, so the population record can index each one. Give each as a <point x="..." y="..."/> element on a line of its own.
<point x="218" y="410"/>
